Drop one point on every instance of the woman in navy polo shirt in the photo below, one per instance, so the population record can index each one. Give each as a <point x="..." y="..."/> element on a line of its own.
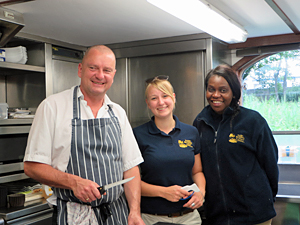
<point x="239" y="155"/>
<point x="171" y="155"/>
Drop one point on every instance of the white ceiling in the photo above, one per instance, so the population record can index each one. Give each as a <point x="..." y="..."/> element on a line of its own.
<point x="90" y="22"/>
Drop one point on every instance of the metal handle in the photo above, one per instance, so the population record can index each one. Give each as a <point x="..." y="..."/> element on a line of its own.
<point x="102" y="190"/>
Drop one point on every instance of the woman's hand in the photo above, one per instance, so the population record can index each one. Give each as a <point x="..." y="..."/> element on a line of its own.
<point x="175" y="193"/>
<point x="196" y="201"/>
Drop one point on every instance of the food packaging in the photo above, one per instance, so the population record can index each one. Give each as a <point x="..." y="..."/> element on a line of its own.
<point x="16" y="200"/>
<point x="47" y="191"/>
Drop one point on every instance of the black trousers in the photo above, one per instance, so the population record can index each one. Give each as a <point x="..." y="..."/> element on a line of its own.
<point x="54" y="216"/>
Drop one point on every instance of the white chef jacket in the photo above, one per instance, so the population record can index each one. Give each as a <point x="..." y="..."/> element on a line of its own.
<point x="49" y="139"/>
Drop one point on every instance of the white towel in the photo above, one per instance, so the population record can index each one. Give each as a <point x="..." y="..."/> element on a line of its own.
<point x="81" y="214"/>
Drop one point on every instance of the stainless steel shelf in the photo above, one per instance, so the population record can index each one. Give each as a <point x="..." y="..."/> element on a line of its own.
<point x="8" y="69"/>
<point x="14" y="177"/>
<point x="288" y="198"/>
<point x="12" y="167"/>
<point x="15" y="121"/>
<point x="14" y="130"/>
<point x="18" y="66"/>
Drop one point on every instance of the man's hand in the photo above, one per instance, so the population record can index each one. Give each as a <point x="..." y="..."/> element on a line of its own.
<point x="86" y="190"/>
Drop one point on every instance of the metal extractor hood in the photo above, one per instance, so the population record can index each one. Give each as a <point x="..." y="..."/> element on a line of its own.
<point x="11" y="22"/>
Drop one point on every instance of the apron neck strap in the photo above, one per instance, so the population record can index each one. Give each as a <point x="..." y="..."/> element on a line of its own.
<point x="76" y="104"/>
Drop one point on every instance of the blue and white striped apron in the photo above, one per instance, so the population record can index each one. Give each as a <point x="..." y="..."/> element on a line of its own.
<point x="96" y="154"/>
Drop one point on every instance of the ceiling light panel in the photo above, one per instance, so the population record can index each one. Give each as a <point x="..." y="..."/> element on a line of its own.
<point x="205" y="17"/>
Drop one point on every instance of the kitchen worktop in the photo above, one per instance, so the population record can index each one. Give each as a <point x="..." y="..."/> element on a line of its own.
<point x="15" y="212"/>
<point x="289" y="192"/>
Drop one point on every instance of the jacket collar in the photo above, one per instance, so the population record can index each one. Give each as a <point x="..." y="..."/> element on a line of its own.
<point x="208" y="114"/>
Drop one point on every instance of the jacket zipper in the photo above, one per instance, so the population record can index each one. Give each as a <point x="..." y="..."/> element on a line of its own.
<point x="216" y="133"/>
<point x="218" y="166"/>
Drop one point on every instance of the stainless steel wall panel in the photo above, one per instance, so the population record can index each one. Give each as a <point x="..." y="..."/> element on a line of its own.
<point x="186" y="75"/>
<point x="65" y="75"/>
<point x="48" y="70"/>
<point x="36" y="54"/>
<point x="182" y="43"/>
<point x="2" y="89"/>
<point x="220" y="53"/>
<point x="63" y="72"/>
<point x="174" y="47"/>
<point x="118" y="92"/>
<point x="25" y="91"/>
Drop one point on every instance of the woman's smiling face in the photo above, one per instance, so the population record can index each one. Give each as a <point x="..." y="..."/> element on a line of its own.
<point x="160" y="103"/>
<point x="218" y="93"/>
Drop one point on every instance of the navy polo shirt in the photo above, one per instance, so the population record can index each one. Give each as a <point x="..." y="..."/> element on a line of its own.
<point x="168" y="160"/>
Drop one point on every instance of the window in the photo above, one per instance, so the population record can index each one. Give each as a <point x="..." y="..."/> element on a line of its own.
<point x="272" y="87"/>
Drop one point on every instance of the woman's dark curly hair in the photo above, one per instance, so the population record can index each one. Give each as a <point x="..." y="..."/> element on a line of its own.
<point x="232" y="79"/>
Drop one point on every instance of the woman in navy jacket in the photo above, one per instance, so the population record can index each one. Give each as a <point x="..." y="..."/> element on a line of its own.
<point x="239" y="155"/>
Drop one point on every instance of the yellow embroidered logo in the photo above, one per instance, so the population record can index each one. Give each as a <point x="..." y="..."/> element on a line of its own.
<point x="236" y="138"/>
<point x="185" y="143"/>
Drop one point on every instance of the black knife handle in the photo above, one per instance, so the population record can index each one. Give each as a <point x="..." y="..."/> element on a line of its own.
<point x="102" y="190"/>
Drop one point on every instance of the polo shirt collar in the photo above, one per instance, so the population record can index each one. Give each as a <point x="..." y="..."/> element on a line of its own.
<point x="154" y="130"/>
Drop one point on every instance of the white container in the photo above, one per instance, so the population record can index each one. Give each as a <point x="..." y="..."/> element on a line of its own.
<point x="14" y="54"/>
<point x="3" y="110"/>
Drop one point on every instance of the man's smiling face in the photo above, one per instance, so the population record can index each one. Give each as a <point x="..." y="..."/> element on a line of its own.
<point x="97" y="72"/>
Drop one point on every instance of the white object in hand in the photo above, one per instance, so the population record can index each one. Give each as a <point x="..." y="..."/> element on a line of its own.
<point x="192" y="187"/>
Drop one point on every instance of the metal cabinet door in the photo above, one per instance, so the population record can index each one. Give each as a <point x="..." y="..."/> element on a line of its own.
<point x="186" y="72"/>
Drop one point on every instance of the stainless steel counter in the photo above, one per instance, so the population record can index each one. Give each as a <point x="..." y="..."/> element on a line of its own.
<point x="15" y="212"/>
<point x="33" y="213"/>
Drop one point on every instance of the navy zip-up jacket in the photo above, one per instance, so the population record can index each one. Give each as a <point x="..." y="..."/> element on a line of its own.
<point x="240" y="166"/>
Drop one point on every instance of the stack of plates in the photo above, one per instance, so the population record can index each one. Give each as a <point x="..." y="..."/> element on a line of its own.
<point x="14" y="54"/>
<point x="20" y="114"/>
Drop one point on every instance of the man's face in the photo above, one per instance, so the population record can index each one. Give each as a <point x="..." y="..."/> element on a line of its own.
<point x="97" y="72"/>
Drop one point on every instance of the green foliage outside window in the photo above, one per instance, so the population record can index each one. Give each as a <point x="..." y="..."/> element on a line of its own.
<point x="281" y="116"/>
<point x="276" y="94"/>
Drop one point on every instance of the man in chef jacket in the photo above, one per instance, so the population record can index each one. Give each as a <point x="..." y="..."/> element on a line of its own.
<point x="80" y="140"/>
